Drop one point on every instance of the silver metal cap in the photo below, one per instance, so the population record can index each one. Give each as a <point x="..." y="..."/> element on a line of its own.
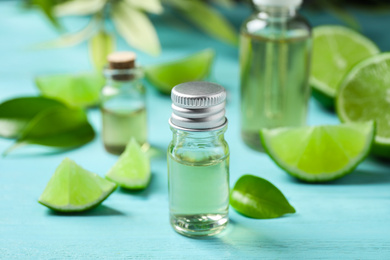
<point x="198" y="106"/>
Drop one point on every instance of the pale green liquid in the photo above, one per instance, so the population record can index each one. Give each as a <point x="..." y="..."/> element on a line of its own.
<point x="119" y="126"/>
<point x="274" y="84"/>
<point x="198" y="196"/>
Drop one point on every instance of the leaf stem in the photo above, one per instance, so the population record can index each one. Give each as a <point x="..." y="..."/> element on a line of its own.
<point x="12" y="147"/>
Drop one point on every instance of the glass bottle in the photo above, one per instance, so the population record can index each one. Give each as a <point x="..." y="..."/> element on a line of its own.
<point x="275" y="48"/>
<point x="123" y="103"/>
<point x="198" y="160"/>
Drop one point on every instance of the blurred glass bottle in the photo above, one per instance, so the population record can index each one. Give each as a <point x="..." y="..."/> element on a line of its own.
<point x="123" y="103"/>
<point x="275" y="48"/>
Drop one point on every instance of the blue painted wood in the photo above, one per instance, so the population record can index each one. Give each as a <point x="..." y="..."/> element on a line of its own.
<point x="345" y="219"/>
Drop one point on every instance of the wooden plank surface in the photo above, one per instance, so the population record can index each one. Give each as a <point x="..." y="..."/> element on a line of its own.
<point x="345" y="219"/>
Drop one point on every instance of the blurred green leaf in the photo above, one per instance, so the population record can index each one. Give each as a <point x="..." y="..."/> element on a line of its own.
<point x="100" y="46"/>
<point x="191" y="68"/>
<point x="344" y="16"/>
<point x="207" y="19"/>
<point x="256" y="197"/>
<point x="77" y="90"/>
<point x="46" y="7"/>
<point x="79" y="7"/>
<point x="151" y="6"/>
<point x="60" y="127"/>
<point x="136" y="28"/>
<point x="71" y="39"/>
<point x="16" y="113"/>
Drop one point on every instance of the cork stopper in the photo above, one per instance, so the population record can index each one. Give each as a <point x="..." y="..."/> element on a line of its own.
<point x="121" y="60"/>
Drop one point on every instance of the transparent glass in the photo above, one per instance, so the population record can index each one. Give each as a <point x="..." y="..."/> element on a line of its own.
<point x="123" y="107"/>
<point x="275" y="48"/>
<point x="198" y="177"/>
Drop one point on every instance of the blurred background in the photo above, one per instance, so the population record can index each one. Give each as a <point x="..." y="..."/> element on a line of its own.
<point x="40" y="29"/>
<point x="47" y="37"/>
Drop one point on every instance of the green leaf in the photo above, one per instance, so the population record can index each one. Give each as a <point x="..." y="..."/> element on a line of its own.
<point x="77" y="90"/>
<point x="256" y="197"/>
<point x="136" y="28"/>
<point x="151" y="6"/>
<point x="60" y="127"/>
<point x="16" y="113"/>
<point x="191" y="68"/>
<point x="342" y="14"/>
<point x="207" y="19"/>
<point x="79" y="7"/>
<point x="47" y="8"/>
<point x="70" y="39"/>
<point x="100" y="46"/>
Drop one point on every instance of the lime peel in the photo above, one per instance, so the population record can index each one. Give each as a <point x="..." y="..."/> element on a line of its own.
<point x="364" y="95"/>
<point x="332" y="60"/>
<point x="74" y="189"/>
<point x="194" y="67"/>
<point x="327" y="153"/>
<point x="132" y="170"/>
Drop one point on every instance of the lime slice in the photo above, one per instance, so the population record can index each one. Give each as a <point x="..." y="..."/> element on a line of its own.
<point x="77" y="90"/>
<point x="364" y="95"/>
<point x="72" y="189"/>
<point x="132" y="170"/>
<point x="192" y="68"/>
<point x="336" y="50"/>
<point x="319" y="153"/>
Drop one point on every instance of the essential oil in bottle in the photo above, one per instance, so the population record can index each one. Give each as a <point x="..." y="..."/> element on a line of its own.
<point x="275" y="47"/>
<point x="198" y="160"/>
<point x="123" y="103"/>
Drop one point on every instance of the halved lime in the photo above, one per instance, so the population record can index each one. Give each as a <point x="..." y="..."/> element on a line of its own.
<point x="73" y="189"/>
<point x="132" y="170"/>
<point x="192" y="68"/>
<point x="319" y="153"/>
<point x="336" y="50"/>
<point x="364" y="95"/>
<point x="78" y="90"/>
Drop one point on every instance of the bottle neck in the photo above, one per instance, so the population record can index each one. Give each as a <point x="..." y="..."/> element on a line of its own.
<point x="276" y="12"/>
<point x="122" y="76"/>
<point x="198" y="137"/>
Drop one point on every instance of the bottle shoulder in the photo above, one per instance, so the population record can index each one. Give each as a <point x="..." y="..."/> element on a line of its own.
<point x="130" y="87"/>
<point x="198" y="153"/>
<point x="294" y="27"/>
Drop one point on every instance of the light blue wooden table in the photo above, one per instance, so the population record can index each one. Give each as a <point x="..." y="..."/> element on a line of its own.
<point x="345" y="219"/>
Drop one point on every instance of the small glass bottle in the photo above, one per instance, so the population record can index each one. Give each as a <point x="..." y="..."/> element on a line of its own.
<point x="275" y="48"/>
<point x="123" y="103"/>
<point x="198" y="160"/>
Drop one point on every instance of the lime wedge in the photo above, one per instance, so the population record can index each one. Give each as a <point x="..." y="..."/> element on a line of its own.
<point x="336" y="50"/>
<point x="132" y="170"/>
<point x="364" y="95"/>
<point x="192" y="68"/>
<point x="319" y="153"/>
<point x="73" y="189"/>
<point x="77" y="90"/>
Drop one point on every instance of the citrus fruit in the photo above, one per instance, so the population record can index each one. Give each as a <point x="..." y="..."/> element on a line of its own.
<point x="192" y="68"/>
<point x="132" y="170"/>
<point x="364" y="95"/>
<point x="319" y="153"/>
<point x="336" y="50"/>
<point x="73" y="189"/>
